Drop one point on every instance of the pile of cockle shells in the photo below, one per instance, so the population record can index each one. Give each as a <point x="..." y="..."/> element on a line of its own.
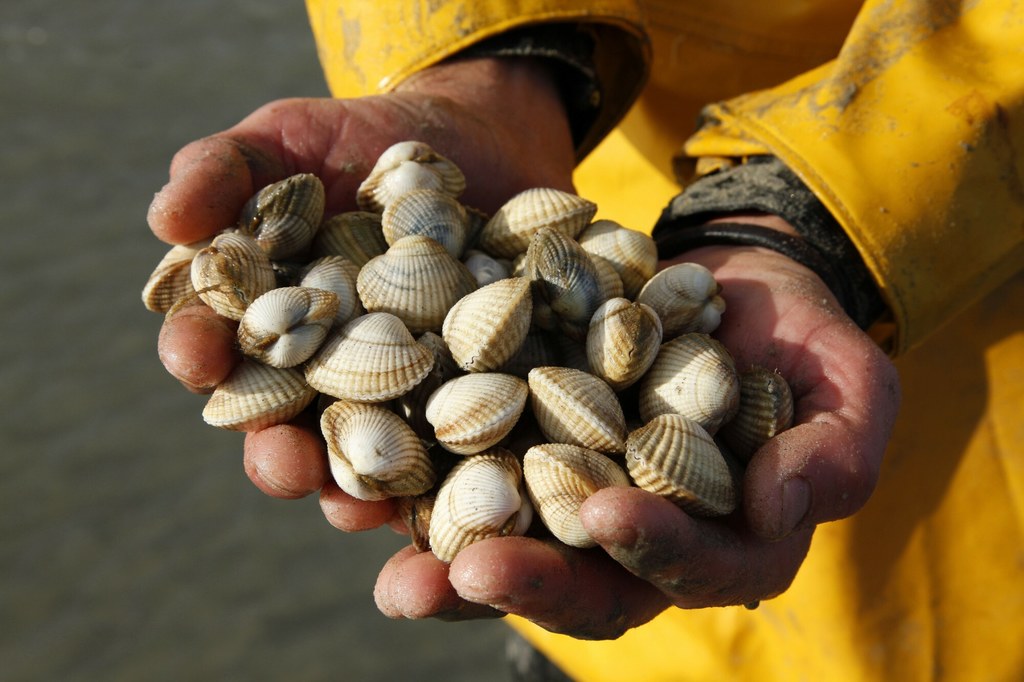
<point x="476" y="367"/>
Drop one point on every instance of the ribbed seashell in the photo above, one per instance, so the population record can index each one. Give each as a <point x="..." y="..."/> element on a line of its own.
<point x="406" y="166"/>
<point x="430" y="213"/>
<point x="473" y="412"/>
<point x="285" y="326"/>
<point x="338" y="275"/>
<point x="566" y="278"/>
<point x="623" y="341"/>
<point x="371" y="359"/>
<point x="171" y="280"/>
<point x="674" y="457"/>
<point x="482" y="497"/>
<point x="685" y="296"/>
<point x="415" y="512"/>
<point x="559" y="479"/>
<point x="486" y="328"/>
<point x="373" y="454"/>
<point x="577" y="408"/>
<point x="766" y="409"/>
<point x="607" y="278"/>
<point x="417" y="281"/>
<point x="695" y="376"/>
<point x="255" y="396"/>
<point x="412" y="406"/>
<point x="485" y="269"/>
<point x="284" y="216"/>
<point x="230" y="273"/>
<point x="355" y="235"/>
<point x="633" y="254"/>
<point x="511" y="228"/>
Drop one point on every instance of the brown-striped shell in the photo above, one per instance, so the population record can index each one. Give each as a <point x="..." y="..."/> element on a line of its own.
<point x="509" y="230"/>
<point x="607" y="278"/>
<point x="633" y="254"/>
<point x="417" y="281"/>
<point x="430" y="213"/>
<point x="171" y="280"/>
<point x="695" y="376"/>
<point x="482" y="497"/>
<point x="285" y="326"/>
<point x="338" y="275"/>
<point x="560" y="478"/>
<point x="406" y="166"/>
<point x="355" y="235"/>
<point x="566" y="278"/>
<point x="674" y="457"/>
<point x="766" y="409"/>
<point x="473" y="412"/>
<point x="685" y="296"/>
<point x="255" y="396"/>
<point x="373" y="454"/>
<point x="578" y="408"/>
<point x="622" y="342"/>
<point x="284" y="216"/>
<point x="486" y="328"/>
<point x="371" y="359"/>
<point x="230" y="273"/>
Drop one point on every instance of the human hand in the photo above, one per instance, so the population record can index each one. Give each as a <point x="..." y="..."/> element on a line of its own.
<point x="781" y="316"/>
<point x="500" y="121"/>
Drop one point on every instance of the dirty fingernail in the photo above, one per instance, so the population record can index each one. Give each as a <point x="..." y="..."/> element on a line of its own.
<point x="796" y="502"/>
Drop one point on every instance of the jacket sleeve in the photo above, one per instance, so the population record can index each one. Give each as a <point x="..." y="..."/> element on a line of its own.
<point x="913" y="138"/>
<point x="369" y="47"/>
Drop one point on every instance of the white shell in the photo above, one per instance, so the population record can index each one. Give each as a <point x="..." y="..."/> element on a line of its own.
<point x="338" y="275"/>
<point x="406" y="166"/>
<point x="485" y="269"/>
<point x="633" y="254"/>
<point x="577" y="408"/>
<point x="482" y="497"/>
<point x="486" y="328"/>
<point x="284" y="216"/>
<point x="685" y="296"/>
<point x="622" y="342"/>
<point x="255" y="396"/>
<point x="509" y="230"/>
<point x="355" y="235"/>
<point x="285" y="326"/>
<point x="560" y="478"/>
<point x="471" y="413"/>
<point x="230" y="273"/>
<point x="430" y="213"/>
<point x="766" y="409"/>
<point x="171" y="280"/>
<point x="371" y="359"/>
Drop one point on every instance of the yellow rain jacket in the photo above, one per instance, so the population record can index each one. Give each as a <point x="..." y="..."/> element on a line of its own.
<point x="906" y="119"/>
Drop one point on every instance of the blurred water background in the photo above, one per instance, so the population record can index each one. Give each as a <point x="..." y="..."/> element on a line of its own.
<point x="133" y="547"/>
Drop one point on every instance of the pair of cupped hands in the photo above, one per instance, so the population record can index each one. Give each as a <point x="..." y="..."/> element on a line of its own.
<point x="503" y="123"/>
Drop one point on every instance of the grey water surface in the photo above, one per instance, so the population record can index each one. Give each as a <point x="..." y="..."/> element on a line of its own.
<point x="132" y="546"/>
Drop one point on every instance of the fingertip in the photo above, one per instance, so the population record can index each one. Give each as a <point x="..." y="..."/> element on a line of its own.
<point x="350" y="515"/>
<point x="286" y="461"/>
<point x="210" y="182"/>
<point x="197" y="347"/>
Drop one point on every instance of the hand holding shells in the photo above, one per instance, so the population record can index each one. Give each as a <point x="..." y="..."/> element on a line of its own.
<point x="678" y="385"/>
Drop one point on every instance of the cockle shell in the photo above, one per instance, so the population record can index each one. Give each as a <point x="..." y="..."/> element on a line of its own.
<point x="694" y="376"/>
<point x="373" y="454"/>
<point x="171" y="280"/>
<point x="417" y="281"/>
<point x="633" y="254"/>
<point x="355" y="235"/>
<point x="607" y="278"/>
<point x="685" y="296"/>
<point x="485" y="269"/>
<point x="255" y="396"/>
<point x="473" y="412"/>
<point x="284" y="216"/>
<point x="230" y="273"/>
<point x="766" y="409"/>
<point x="371" y="359"/>
<point x="674" y="457"/>
<point x="482" y="497"/>
<point x="560" y="478"/>
<point x="429" y="213"/>
<point x="566" y="278"/>
<point x="510" y="229"/>
<point x="406" y="166"/>
<point x="285" y="326"/>
<point x="337" y="275"/>
<point x="486" y="328"/>
<point x="578" y="408"/>
<point x="622" y="342"/>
